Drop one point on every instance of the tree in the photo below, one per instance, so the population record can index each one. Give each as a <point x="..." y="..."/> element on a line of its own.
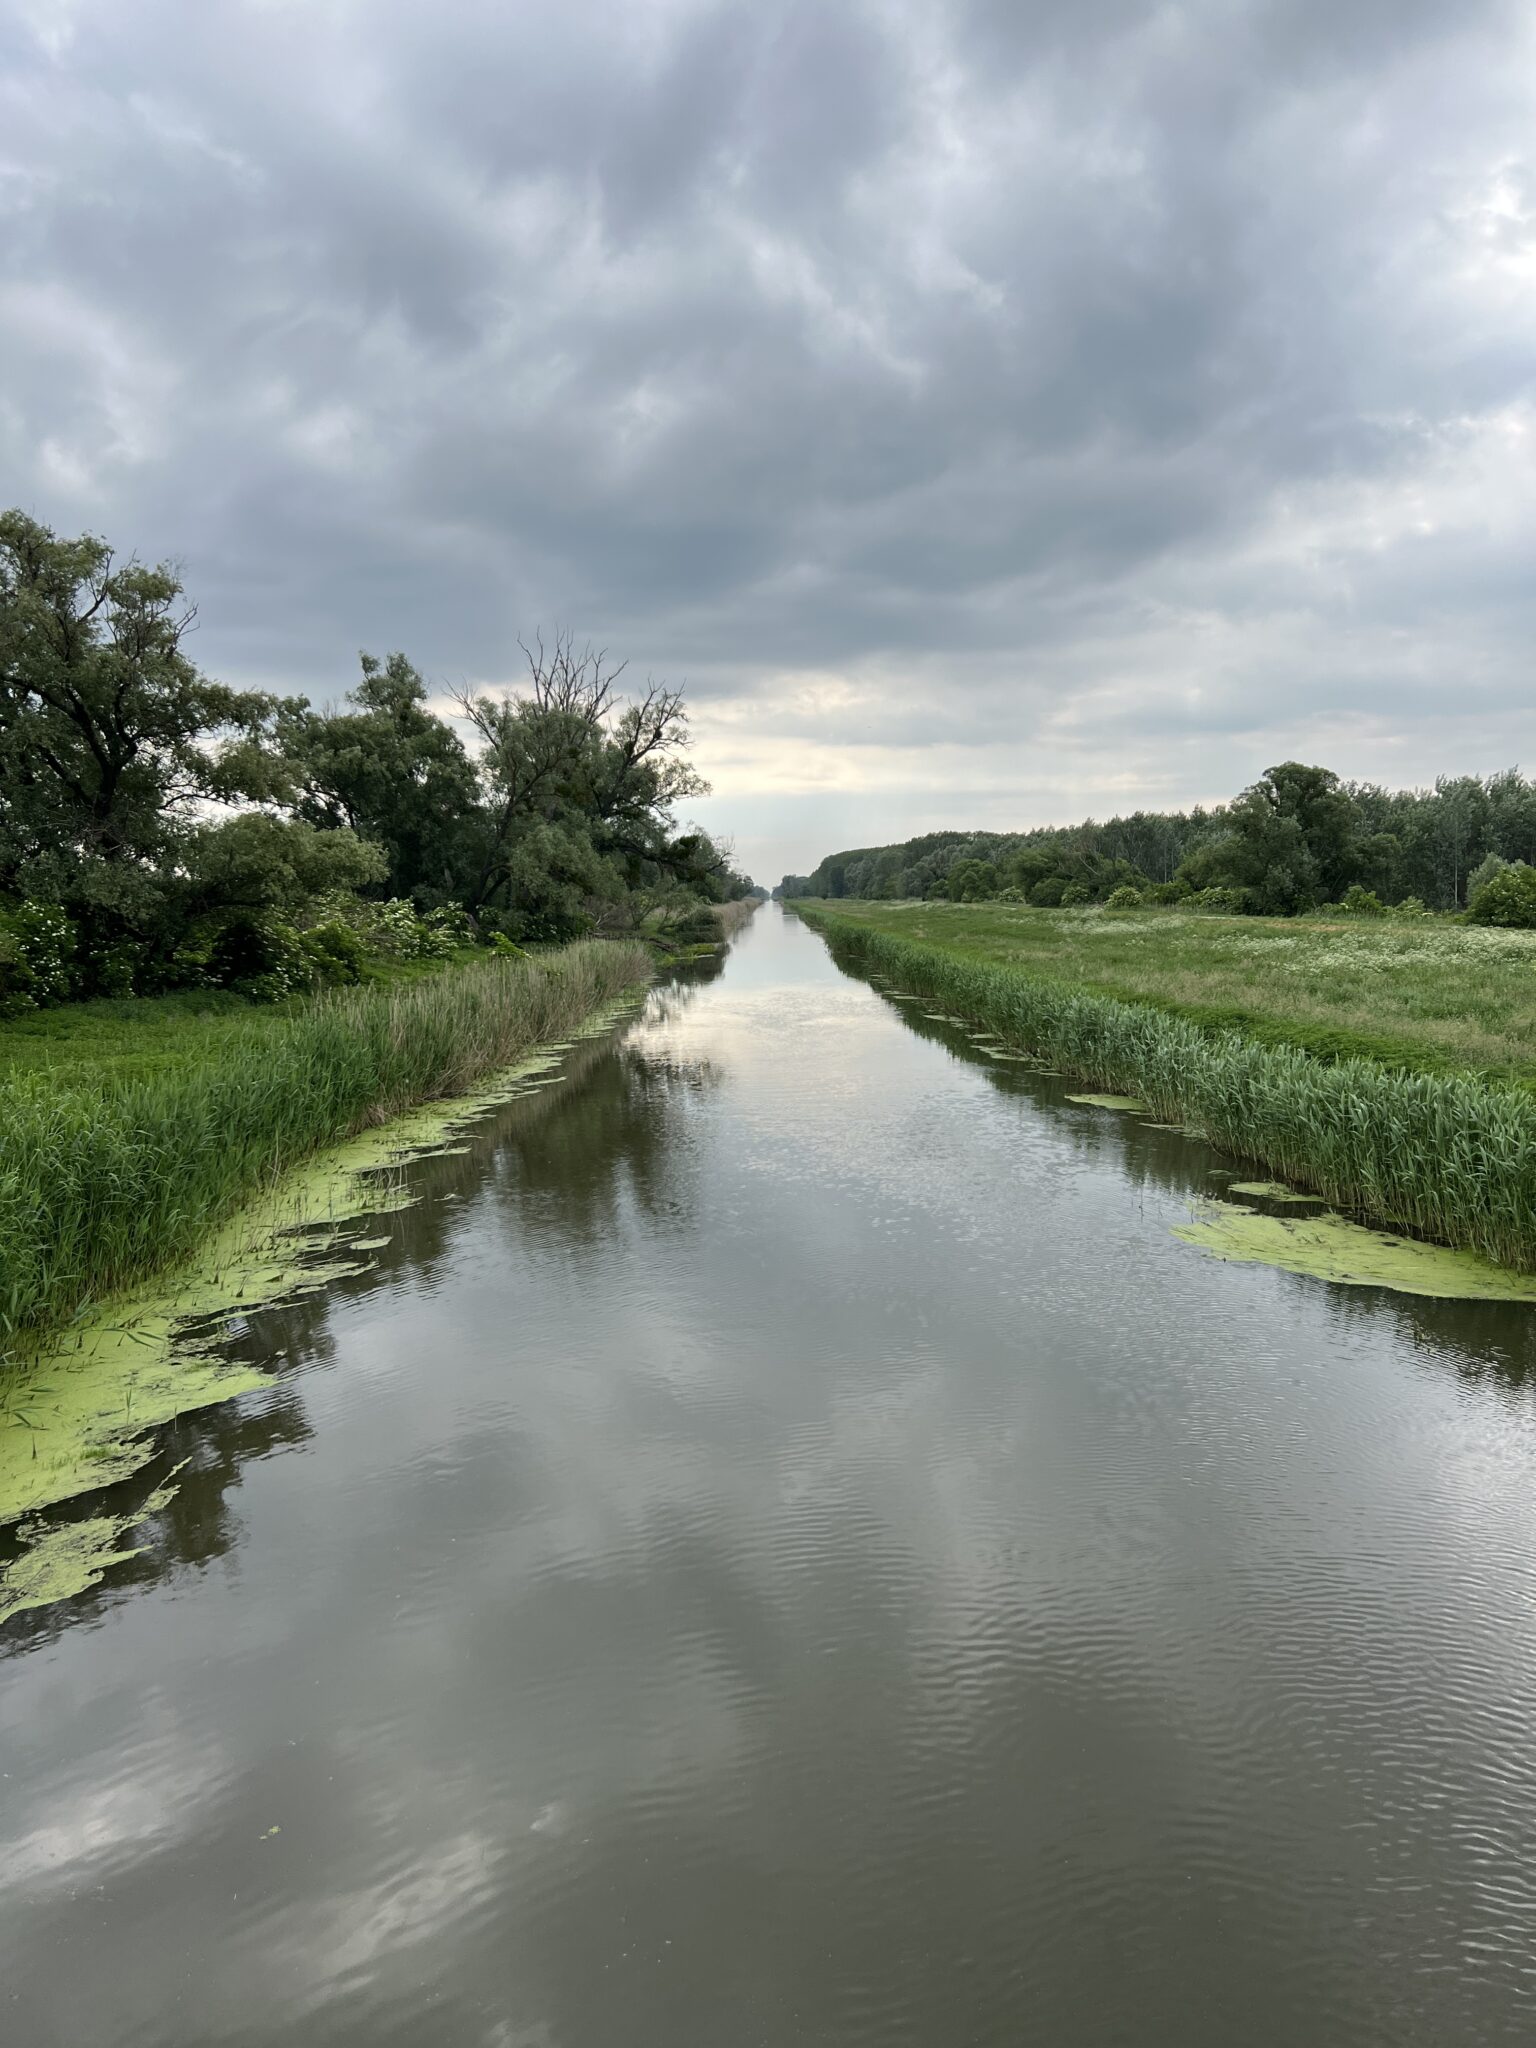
<point x="1288" y="843"/>
<point x="971" y="881"/>
<point x="256" y="862"/>
<point x="392" y="773"/>
<point x="578" y="792"/>
<point x="110" y="737"/>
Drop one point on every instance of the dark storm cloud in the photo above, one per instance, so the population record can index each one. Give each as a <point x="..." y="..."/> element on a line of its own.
<point x="1082" y="374"/>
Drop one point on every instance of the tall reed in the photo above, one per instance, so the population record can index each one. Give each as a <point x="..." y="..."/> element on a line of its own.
<point x="1441" y="1156"/>
<point x="102" y="1181"/>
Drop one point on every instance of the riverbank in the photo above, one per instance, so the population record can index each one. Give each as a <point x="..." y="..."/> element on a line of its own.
<point x="114" y="1165"/>
<point x="1445" y="1156"/>
<point x="1424" y="994"/>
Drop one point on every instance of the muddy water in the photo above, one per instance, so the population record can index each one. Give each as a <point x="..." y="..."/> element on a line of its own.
<point x="785" y="1546"/>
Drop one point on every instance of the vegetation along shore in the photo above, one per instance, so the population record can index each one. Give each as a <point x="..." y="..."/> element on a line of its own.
<point x="235" y="927"/>
<point x="114" y="1168"/>
<point x="1381" y="1123"/>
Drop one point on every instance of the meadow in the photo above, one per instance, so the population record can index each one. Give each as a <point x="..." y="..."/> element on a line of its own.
<point x="1426" y="994"/>
<point x="1395" y="1134"/>
<point x="129" y="1129"/>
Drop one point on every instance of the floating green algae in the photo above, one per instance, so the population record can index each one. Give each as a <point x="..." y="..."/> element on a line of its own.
<point x="1109" y="1101"/>
<point x="83" y="1414"/>
<point x="65" y="1558"/>
<point x="1330" y="1247"/>
<point x="1269" y="1191"/>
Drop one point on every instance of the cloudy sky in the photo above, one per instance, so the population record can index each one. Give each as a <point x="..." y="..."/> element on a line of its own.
<point x="997" y="411"/>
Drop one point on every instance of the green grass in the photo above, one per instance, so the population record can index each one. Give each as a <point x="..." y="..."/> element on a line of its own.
<point x="127" y="1130"/>
<point x="1425" y="994"/>
<point x="140" y="1035"/>
<point x="1446" y="1156"/>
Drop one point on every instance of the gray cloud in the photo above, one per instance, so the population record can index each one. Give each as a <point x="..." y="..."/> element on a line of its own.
<point x="1106" y="391"/>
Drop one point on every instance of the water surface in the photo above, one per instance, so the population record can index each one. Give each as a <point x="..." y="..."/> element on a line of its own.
<point x="786" y="1547"/>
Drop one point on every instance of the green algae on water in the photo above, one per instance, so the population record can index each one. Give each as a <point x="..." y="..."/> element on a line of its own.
<point x="65" y="1558"/>
<point x="1269" y="1191"/>
<point x="1330" y="1247"/>
<point x="82" y="1413"/>
<point x="1109" y="1101"/>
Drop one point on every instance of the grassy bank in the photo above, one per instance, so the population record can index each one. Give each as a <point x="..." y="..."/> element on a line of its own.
<point x="1424" y="994"/>
<point x="1445" y="1156"/>
<point x="120" y="1149"/>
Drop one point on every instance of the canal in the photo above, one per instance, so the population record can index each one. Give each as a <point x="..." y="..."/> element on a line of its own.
<point x="784" y="1545"/>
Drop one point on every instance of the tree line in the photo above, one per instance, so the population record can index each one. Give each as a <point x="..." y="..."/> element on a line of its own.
<point x="1298" y="839"/>
<point x="161" y="831"/>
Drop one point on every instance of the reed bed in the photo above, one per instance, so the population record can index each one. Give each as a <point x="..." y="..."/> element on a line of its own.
<point x="104" y="1180"/>
<point x="1440" y="1156"/>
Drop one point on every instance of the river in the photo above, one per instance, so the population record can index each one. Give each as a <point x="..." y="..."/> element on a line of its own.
<point x="785" y="1546"/>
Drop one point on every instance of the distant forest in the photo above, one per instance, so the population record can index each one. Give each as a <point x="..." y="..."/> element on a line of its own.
<point x="1297" y="839"/>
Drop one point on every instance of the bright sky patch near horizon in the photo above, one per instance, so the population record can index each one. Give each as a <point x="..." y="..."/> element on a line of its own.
<point x="997" y="411"/>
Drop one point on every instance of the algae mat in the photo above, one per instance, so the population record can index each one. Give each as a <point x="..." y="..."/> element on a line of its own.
<point x="85" y="1414"/>
<point x="1330" y="1247"/>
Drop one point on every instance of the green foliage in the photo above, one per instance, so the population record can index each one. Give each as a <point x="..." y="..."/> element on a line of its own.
<point x="115" y="752"/>
<point x="689" y="926"/>
<point x="1286" y="843"/>
<point x="1493" y="864"/>
<point x="394" y="930"/>
<point x="1507" y="898"/>
<point x="254" y="953"/>
<point x="1445" y="1156"/>
<point x="336" y="953"/>
<point x="1047" y="894"/>
<point x="1074" y="894"/>
<point x="108" y="733"/>
<point x="107" y="1178"/>
<point x="1359" y="901"/>
<point x="37" y="950"/>
<point x="1297" y="839"/>
<point x="1124" y="898"/>
<point x="971" y="881"/>
<point x="392" y="773"/>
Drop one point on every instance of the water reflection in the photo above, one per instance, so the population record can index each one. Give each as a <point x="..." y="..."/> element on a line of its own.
<point x="786" y="1547"/>
<point x="1474" y="1338"/>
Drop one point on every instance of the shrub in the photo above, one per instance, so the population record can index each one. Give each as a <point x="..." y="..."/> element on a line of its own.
<point x="553" y="926"/>
<point x="1492" y="864"/>
<point x="1047" y="895"/>
<point x="261" y="958"/>
<point x="37" y="950"/>
<point x="1362" y="902"/>
<point x="1219" y="902"/>
<point x="453" y="923"/>
<point x="1075" y="894"/>
<point x="1165" y="892"/>
<point x="1411" y="906"/>
<point x="1124" y="898"/>
<point x="697" y="926"/>
<point x="1508" y="898"/>
<point x="335" y="951"/>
